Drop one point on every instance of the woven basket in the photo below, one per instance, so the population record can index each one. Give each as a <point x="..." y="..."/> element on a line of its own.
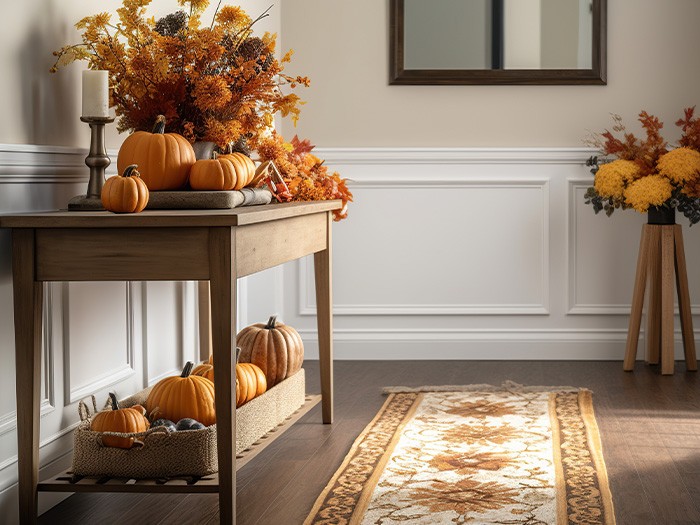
<point x="158" y="453"/>
<point x="162" y="454"/>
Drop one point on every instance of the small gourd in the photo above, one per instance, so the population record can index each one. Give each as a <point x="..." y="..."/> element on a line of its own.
<point x="183" y="396"/>
<point x="126" y="193"/>
<point x="123" y="420"/>
<point x="275" y="347"/>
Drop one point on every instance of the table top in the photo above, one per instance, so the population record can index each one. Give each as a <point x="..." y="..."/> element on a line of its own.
<point x="166" y="218"/>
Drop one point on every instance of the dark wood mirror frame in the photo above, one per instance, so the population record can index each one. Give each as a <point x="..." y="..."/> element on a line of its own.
<point x="596" y="75"/>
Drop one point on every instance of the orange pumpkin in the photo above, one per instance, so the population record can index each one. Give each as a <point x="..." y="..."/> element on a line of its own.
<point x="245" y="168"/>
<point x="124" y="420"/>
<point x="183" y="396"/>
<point x="164" y="159"/>
<point x="250" y="380"/>
<point x="275" y="347"/>
<point x="218" y="173"/>
<point x="126" y="193"/>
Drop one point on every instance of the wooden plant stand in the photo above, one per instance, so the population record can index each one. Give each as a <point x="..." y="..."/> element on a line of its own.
<point x="661" y="255"/>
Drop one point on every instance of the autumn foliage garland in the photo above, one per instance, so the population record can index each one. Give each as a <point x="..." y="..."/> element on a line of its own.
<point x="305" y="174"/>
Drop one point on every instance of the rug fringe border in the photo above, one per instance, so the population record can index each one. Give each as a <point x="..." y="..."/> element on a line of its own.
<point x="511" y="386"/>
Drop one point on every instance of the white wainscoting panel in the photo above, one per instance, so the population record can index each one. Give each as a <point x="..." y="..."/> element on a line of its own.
<point x="457" y="236"/>
<point x="474" y="254"/>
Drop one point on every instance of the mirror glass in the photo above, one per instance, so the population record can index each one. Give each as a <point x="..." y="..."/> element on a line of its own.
<point x="439" y="40"/>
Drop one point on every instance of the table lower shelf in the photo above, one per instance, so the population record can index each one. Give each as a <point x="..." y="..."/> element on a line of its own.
<point x="67" y="482"/>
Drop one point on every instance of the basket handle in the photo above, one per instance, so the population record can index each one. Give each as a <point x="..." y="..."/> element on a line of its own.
<point x="84" y="410"/>
<point x="138" y="442"/>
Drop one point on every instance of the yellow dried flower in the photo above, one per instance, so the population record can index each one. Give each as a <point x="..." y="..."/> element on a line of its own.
<point x="681" y="165"/>
<point x="652" y="190"/>
<point x="612" y="178"/>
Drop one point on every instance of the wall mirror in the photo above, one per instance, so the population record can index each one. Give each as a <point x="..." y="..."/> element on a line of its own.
<point x="498" y="41"/>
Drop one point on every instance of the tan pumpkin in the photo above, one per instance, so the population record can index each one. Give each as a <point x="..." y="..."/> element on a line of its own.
<point x="250" y="380"/>
<point x="245" y="168"/>
<point x="126" y="193"/>
<point x="123" y="420"/>
<point x="218" y="173"/>
<point x="164" y="159"/>
<point x="275" y="347"/>
<point x="183" y="396"/>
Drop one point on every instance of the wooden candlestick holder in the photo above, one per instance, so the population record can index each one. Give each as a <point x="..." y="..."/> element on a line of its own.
<point x="97" y="160"/>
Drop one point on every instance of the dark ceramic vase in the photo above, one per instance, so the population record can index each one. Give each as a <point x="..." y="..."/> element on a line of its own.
<point x="661" y="215"/>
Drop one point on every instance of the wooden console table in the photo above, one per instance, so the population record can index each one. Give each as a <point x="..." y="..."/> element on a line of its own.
<point x="217" y="246"/>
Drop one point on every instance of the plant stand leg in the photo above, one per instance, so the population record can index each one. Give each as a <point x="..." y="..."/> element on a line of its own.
<point x="667" y="293"/>
<point x="653" y="333"/>
<point x="637" y="301"/>
<point x="323" y="274"/>
<point x="691" y="362"/>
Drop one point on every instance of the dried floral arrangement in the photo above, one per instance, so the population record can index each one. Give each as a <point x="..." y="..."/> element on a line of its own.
<point x="213" y="82"/>
<point x="217" y="83"/>
<point x="644" y="173"/>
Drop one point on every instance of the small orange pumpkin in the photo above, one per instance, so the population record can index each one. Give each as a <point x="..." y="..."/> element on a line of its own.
<point x="250" y="380"/>
<point x="217" y="173"/>
<point x="164" y="159"/>
<point x="275" y="347"/>
<point x="126" y="193"/>
<point x="183" y="396"/>
<point x="222" y="172"/>
<point x="245" y="168"/>
<point x="124" y="420"/>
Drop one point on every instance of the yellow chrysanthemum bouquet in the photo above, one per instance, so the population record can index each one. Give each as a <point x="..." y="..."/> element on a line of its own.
<point x="645" y="174"/>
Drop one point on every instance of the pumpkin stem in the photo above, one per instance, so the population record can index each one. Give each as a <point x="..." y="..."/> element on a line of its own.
<point x="159" y="126"/>
<point x="188" y="369"/>
<point x="271" y="323"/>
<point x="214" y="155"/>
<point x="115" y="403"/>
<point x="130" y="171"/>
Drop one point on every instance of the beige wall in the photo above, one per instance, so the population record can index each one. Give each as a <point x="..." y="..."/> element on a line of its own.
<point x="38" y="107"/>
<point x="343" y="47"/>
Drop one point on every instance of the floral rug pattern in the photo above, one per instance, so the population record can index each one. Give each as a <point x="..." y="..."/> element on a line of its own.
<point x="506" y="456"/>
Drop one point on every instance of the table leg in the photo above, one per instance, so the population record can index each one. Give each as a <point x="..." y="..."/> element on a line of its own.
<point x="324" y="318"/>
<point x="28" y="296"/>
<point x="204" y="315"/>
<point x="222" y="281"/>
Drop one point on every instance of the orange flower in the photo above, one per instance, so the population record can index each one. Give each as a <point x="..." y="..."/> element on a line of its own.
<point x="211" y="93"/>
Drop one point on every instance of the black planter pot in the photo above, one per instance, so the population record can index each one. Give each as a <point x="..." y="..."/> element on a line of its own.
<point x="661" y="215"/>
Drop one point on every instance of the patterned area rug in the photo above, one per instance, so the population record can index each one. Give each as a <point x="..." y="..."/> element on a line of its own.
<point x="477" y="454"/>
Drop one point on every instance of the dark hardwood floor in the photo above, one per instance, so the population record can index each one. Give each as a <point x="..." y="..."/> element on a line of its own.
<point x="650" y="428"/>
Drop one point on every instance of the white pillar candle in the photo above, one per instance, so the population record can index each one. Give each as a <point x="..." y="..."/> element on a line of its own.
<point x="95" y="93"/>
